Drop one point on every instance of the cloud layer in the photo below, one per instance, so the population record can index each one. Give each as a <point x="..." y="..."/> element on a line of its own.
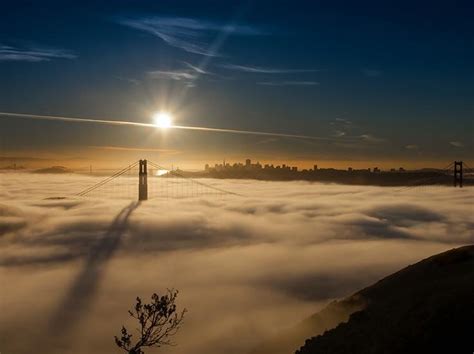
<point x="189" y="34"/>
<point x="250" y="265"/>
<point x="33" y="54"/>
<point x="288" y="83"/>
<point x="265" y="70"/>
<point x="187" y="75"/>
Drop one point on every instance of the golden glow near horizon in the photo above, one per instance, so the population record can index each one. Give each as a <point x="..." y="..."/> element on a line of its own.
<point x="161" y="172"/>
<point x="162" y="120"/>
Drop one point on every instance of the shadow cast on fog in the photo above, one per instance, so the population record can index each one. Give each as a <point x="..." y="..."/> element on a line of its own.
<point x="81" y="293"/>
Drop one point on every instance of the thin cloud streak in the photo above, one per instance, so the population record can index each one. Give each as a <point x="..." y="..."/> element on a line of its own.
<point x="457" y="144"/>
<point x="371" y="138"/>
<point x="187" y="76"/>
<point x="9" y="53"/>
<point x="199" y="70"/>
<point x="343" y="121"/>
<point x="288" y="83"/>
<point x="214" y="49"/>
<point x="264" y="70"/>
<point x="183" y="127"/>
<point x="129" y="80"/>
<point x="189" y="34"/>
<point x="178" y="75"/>
<point x="75" y="119"/>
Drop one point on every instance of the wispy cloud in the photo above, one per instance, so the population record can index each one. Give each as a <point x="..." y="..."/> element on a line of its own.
<point x="347" y="130"/>
<point x="178" y="75"/>
<point x="127" y="79"/>
<point x="371" y="139"/>
<point x="457" y="144"/>
<point x="339" y="133"/>
<point x="33" y="54"/>
<point x="288" y="83"/>
<point x="412" y="147"/>
<point x="343" y="121"/>
<point x="341" y="127"/>
<point x="187" y="75"/>
<point x="264" y="70"/>
<point x="196" y="69"/>
<point x="189" y="34"/>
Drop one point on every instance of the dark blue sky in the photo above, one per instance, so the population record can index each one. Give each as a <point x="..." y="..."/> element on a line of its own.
<point x="383" y="81"/>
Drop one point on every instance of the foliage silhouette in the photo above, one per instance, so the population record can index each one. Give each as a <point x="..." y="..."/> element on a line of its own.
<point x="158" y="320"/>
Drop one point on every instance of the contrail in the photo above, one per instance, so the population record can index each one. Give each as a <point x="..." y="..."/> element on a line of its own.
<point x="75" y="119"/>
<point x="150" y="125"/>
<point x="249" y="132"/>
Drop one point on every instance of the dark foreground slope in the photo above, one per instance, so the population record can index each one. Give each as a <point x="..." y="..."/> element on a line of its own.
<point x="333" y="314"/>
<point x="427" y="307"/>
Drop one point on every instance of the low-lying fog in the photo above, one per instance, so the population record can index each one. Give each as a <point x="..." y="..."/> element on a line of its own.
<point x="246" y="266"/>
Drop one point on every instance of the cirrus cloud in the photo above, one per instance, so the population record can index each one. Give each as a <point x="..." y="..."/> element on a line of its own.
<point x="189" y="34"/>
<point x="33" y="54"/>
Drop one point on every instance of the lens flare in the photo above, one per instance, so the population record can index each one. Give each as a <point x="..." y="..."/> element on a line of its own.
<point x="162" y="120"/>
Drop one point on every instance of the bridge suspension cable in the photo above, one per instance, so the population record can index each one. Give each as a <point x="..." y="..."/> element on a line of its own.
<point x="107" y="180"/>
<point x="429" y="181"/>
<point x="172" y="184"/>
<point x="192" y="180"/>
<point x="467" y="167"/>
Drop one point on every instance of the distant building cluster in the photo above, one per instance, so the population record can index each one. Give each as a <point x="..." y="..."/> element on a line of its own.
<point x="248" y="166"/>
<point x="12" y="167"/>
<point x="362" y="176"/>
<point x="256" y="167"/>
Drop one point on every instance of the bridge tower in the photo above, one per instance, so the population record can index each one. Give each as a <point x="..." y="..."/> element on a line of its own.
<point x="142" y="181"/>
<point x="458" y="174"/>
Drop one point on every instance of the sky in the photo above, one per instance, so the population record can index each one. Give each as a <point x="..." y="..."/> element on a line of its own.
<point x="381" y="83"/>
<point x="246" y="267"/>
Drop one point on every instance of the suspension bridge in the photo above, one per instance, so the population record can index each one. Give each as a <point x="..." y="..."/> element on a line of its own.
<point x="156" y="181"/>
<point x="453" y="171"/>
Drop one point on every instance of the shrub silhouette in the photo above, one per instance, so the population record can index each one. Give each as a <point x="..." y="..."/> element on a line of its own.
<point x="158" y="321"/>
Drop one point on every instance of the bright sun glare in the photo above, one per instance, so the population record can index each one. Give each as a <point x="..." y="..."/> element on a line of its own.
<point x="162" y="119"/>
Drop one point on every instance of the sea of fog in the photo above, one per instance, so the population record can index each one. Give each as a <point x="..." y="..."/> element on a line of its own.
<point x="246" y="266"/>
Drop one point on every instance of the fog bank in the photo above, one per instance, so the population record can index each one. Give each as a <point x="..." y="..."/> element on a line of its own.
<point x="246" y="267"/>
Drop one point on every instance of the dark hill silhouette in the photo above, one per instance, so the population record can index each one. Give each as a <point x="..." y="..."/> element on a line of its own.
<point x="333" y="314"/>
<point x="421" y="308"/>
<point x="427" y="307"/>
<point x="53" y="169"/>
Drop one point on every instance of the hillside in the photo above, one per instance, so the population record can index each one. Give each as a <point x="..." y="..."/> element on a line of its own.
<point x="53" y="169"/>
<point x="424" y="308"/>
<point x="333" y="314"/>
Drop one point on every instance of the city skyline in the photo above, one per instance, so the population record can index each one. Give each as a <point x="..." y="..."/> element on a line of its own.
<point x="19" y="162"/>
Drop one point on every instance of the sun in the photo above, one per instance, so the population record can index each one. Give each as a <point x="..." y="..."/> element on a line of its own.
<point x="162" y="119"/>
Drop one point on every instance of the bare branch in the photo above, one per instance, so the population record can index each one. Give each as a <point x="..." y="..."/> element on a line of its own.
<point x="158" y="321"/>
